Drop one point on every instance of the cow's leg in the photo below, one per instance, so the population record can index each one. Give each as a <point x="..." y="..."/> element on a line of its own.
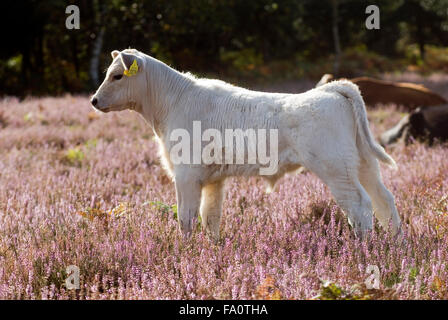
<point x="188" y="192"/>
<point x="211" y="205"/>
<point x="341" y="176"/>
<point x="407" y="136"/>
<point x="382" y="199"/>
<point x="354" y="200"/>
<point x="395" y="133"/>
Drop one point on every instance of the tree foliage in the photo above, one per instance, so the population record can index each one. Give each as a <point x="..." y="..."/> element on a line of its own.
<point x="41" y="56"/>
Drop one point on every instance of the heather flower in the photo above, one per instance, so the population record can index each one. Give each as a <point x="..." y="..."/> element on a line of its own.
<point x="112" y="212"/>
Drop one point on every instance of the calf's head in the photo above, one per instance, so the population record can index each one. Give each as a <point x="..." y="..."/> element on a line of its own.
<point x="122" y="84"/>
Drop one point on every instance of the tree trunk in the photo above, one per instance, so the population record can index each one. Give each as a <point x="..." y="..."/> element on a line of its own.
<point x="421" y="38"/>
<point x="97" y="44"/>
<point x="75" y="54"/>
<point x="421" y="46"/>
<point x="95" y="59"/>
<point x="337" y="45"/>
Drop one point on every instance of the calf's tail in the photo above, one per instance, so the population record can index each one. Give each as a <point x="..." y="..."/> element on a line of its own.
<point x="351" y="92"/>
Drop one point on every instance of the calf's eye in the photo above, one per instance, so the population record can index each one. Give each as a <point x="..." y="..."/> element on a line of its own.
<point x="118" y="76"/>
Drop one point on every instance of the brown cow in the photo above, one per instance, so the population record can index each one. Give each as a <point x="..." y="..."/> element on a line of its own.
<point x="426" y="125"/>
<point x="408" y="95"/>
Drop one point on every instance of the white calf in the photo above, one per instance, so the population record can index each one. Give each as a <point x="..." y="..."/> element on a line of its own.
<point x="325" y="130"/>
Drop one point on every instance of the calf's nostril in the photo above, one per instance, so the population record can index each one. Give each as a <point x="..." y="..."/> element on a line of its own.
<point x="94" y="101"/>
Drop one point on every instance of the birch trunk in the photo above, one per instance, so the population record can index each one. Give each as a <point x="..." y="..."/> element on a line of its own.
<point x="97" y="44"/>
<point x="95" y="60"/>
<point x="337" y="45"/>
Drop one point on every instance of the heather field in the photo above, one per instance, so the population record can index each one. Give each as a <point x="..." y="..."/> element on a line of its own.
<point x="87" y="189"/>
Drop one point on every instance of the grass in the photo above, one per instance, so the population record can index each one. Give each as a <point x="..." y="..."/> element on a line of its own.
<point x="84" y="189"/>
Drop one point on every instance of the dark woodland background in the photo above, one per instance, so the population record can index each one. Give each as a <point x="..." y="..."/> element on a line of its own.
<point x="236" y="40"/>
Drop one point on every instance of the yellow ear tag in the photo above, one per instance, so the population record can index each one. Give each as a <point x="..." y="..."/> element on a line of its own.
<point x="132" y="70"/>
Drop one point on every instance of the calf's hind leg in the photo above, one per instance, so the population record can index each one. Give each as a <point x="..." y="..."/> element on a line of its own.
<point x="354" y="200"/>
<point x="383" y="200"/>
<point x="341" y="176"/>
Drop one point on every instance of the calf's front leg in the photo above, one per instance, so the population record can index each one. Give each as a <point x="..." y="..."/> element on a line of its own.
<point x="211" y="206"/>
<point x="188" y="192"/>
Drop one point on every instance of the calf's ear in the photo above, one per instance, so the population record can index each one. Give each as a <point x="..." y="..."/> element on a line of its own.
<point x="128" y="59"/>
<point x="114" y="53"/>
